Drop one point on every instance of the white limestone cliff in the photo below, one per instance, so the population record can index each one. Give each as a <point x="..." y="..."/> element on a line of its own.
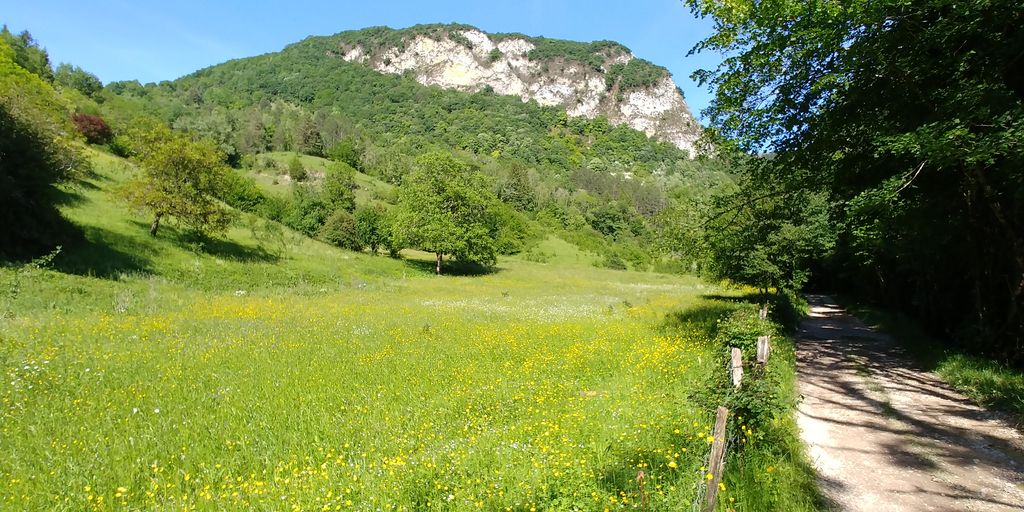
<point x="658" y="110"/>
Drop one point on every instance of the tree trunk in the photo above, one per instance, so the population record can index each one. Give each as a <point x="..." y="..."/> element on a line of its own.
<point x="155" y="225"/>
<point x="440" y="259"/>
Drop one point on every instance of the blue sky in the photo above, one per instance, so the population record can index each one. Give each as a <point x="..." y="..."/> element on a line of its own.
<point x="153" y="41"/>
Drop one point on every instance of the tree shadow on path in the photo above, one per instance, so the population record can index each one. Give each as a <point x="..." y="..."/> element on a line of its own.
<point x="896" y="430"/>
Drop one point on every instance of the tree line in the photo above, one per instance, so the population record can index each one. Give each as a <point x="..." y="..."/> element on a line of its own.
<point x="888" y="143"/>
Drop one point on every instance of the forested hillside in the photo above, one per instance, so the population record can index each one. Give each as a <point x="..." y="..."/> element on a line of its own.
<point x="610" y="189"/>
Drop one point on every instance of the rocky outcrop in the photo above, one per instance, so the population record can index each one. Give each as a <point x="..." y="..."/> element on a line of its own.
<point x="471" y="60"/>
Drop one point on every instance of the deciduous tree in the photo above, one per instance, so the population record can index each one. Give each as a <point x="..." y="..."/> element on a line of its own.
<point x="180" y="178"/>
<point x="909" y="116"/>
<point x="445" y="208"/>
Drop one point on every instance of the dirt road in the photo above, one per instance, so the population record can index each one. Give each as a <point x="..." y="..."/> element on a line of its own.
<point x="886" y="435"/>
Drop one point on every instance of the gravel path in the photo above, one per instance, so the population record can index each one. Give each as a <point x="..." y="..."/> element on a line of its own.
<point x="886" y="435"/>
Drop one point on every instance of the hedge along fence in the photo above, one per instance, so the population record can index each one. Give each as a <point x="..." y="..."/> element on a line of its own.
<point x="762" y="462"/>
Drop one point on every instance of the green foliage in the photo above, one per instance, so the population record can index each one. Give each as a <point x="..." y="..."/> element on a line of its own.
<point x="242" y="192"/>
<point x="635" y="73"/>
<point x="494" y="55"/>
<point x="593" y="55"/>
<point x="460" y="39"/>
<point x="180" y="178"/>
<point x="296" y="171"/>
<point x="345" y="151"/>
<point x="307" y="211"/>
<point x="923" y="184"/>
<point x="378" y="38"/>
<point x="445" y="208"/>
<point x="611" y="219"/>
<point x="78" y="79"/>
<point x="339" y="186"/>
<point x="273" y="101"/>
<point x="741" y="328"/>
<point x="516" y="189"/>
<point x="27" y="54"/>
<point x="511" y="230"/>
<point x="613" y="261"/>
<point x="36" y="152"/>
<point x="341" y="229"/>
<point x="372" y="227"/>
<point x="768" y="239"/>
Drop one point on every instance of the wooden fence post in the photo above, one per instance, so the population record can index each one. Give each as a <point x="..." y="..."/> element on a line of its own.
<point x="764" y="348"/>
<point x="763" y="314"/>
<point x="737" y="367"/>
<point x="715" y="462"/>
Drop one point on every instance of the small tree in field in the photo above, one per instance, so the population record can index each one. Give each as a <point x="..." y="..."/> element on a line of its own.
<point x="341" y="230"/>
<point x="180" y="178"/>
<point x="295" y="169"/>
<point x="444" y="208"/>
<point x="370" y="226"/>
<point x="338" y="188"/>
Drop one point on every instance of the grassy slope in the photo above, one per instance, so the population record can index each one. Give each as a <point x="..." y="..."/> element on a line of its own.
<point x="275" y="181"/>
<point x="143" y="374"/>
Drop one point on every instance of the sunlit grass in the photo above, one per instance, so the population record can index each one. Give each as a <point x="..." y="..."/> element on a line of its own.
<point x="140" y="373"/>
<point x="442" y="392"/>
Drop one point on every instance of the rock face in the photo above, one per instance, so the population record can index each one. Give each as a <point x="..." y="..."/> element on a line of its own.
<point x="471" y="60"/>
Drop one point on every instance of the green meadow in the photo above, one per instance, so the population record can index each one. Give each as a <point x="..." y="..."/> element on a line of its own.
<point x="268" y="371"/>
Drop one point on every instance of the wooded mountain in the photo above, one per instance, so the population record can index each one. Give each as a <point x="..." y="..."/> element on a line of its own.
<point x="589" y="100"/>
<point x="602" y="78"/>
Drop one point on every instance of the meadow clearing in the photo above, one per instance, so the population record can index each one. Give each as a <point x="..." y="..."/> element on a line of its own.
<point x="140" y="375"/>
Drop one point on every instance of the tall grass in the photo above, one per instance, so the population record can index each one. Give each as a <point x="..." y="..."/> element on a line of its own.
<point x="140" y="373"/>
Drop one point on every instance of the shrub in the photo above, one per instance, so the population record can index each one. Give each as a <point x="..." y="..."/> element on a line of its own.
<point x="296" y="171"/>
<point x="274" y="208"/>
<point x="339" y="187"/>
<point x="612" y="261"/>
<point x="346" y="151"/>
<point x="341" y="230"/>
<point x="741" y="329"/>
<point x="307" y="212"/>
<point x="371" y="227"/>
<point x="537" y="256"/>
<point x="458" y="38"/>
<point x="241" y="192"/>
<point x="94" y="128"/>
<point x="120" y="146"/>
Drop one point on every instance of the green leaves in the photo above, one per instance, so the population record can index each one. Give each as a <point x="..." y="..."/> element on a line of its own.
<point x="36" y="152"/>
<point x="181" y="178"/>
<point x="909" y="117"/>
<point x="445" y="208"/>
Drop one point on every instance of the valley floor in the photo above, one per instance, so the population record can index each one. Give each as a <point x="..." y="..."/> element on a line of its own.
<point x="529" y="388"/>
<point x="269" y="371"/>
<point x="886" y="435"/>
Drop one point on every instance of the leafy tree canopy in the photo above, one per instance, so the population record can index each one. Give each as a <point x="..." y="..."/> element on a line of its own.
<point x="37" y="151"/>
<point x="27" y="53"/>
<point x="77" y="79"/>
<point x="181" y="178"/>
<point x="445" y="208"/>
<point x="909" y="117"/>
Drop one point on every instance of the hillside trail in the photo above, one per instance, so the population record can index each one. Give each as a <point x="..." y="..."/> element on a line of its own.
<point x="886" y="435"/>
